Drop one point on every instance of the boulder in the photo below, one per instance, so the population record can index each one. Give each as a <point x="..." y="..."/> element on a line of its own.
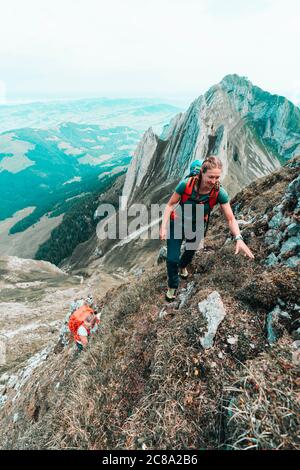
<point x="214" y="312"/>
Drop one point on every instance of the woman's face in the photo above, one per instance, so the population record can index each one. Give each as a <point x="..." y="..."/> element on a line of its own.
<point x="210" y="178"/>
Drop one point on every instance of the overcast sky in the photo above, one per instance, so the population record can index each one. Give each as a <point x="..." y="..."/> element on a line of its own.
<point x="171" y="49"/>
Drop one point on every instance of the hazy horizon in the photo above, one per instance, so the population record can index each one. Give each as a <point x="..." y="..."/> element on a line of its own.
<point x="177" y="102"/>
<point x="169" y="50"/>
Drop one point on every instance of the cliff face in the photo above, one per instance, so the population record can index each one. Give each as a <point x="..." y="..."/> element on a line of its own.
<point x="160" y="375"/>
<point x="252" y="132"/>
<point x="141" y="161"/>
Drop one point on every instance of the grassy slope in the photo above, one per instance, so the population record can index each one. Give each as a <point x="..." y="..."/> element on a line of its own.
<point x="146" y="382"/>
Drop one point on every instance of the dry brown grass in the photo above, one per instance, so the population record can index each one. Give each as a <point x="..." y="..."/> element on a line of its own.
<point x="263" y="402"/>
<point x="145" y="383"/>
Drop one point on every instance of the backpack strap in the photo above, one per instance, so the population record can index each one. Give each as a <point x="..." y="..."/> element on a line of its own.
<point x="188" y="189"/>
<point x="213" y="196"/>
<point x="186" y="194"/>
<point x="212" y="201"/>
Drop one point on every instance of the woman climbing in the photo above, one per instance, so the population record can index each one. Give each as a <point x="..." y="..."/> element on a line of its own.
<point x="202" y="186"/>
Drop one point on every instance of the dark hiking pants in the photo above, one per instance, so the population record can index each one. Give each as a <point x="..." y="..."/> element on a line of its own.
<point x="174" y="261"/>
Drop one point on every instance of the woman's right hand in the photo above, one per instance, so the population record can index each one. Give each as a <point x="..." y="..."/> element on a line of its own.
<point x="163" y="233"/>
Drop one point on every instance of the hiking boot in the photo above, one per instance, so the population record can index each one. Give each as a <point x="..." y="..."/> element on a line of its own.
<point x="183" y="272"/>
<point x="171" y="295"/>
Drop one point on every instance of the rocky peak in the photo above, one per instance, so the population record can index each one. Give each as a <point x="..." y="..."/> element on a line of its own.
<point x="232" y="81"/>
<point x="140" y="163"/>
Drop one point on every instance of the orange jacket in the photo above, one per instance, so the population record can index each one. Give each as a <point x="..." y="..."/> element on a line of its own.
<point x="77" y="319"/>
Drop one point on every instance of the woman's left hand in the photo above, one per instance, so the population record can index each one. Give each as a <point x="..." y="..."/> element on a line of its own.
<point x="242" y="247"/>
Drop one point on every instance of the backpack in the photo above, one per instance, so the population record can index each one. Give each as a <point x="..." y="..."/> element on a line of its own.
<point x="77" y="319"/>
<point x="195" y="167"/>
<point x="212" y="201"/>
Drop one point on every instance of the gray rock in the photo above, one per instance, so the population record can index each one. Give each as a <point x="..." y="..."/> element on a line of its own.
<point x="232" y="339"/>
<point x="3" y="399"/>
<point x="244" y="222"/>
<point x="273" y="237"/>
<point x="4" y="378"/>
<point x="2" y="350"/>
<point x="278" y="208"/>
<point x="296" y="334"/>
<point x="12" y="381"/>
<point x="236" y="209"/>
<point x="137" y="272"/>
<point x="286" y="315"/>
<point x="98" y="252"/>
<point x="292" y="262"/>
<point x="162" y="255"/>
<point x="214" y="312"/>
<point x="294" y="187"/>
<point x="293" y="229"/>
<point x="272" y="322"/>
<point x="186" y="294"/>
<point x="162" y="314"/>
<point x="287" y="221"/>
<point x="276" y="221"/>
<point x="290" y="245"/>
<point x="280" y="302"/>
<point x="271" y="260"/>
<point x="296" y="353"/>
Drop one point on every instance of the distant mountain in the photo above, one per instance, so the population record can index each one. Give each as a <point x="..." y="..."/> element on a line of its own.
<point x="136" y="113"/>
<point x="43" y="168"/>
<point x="50" y="158"/>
